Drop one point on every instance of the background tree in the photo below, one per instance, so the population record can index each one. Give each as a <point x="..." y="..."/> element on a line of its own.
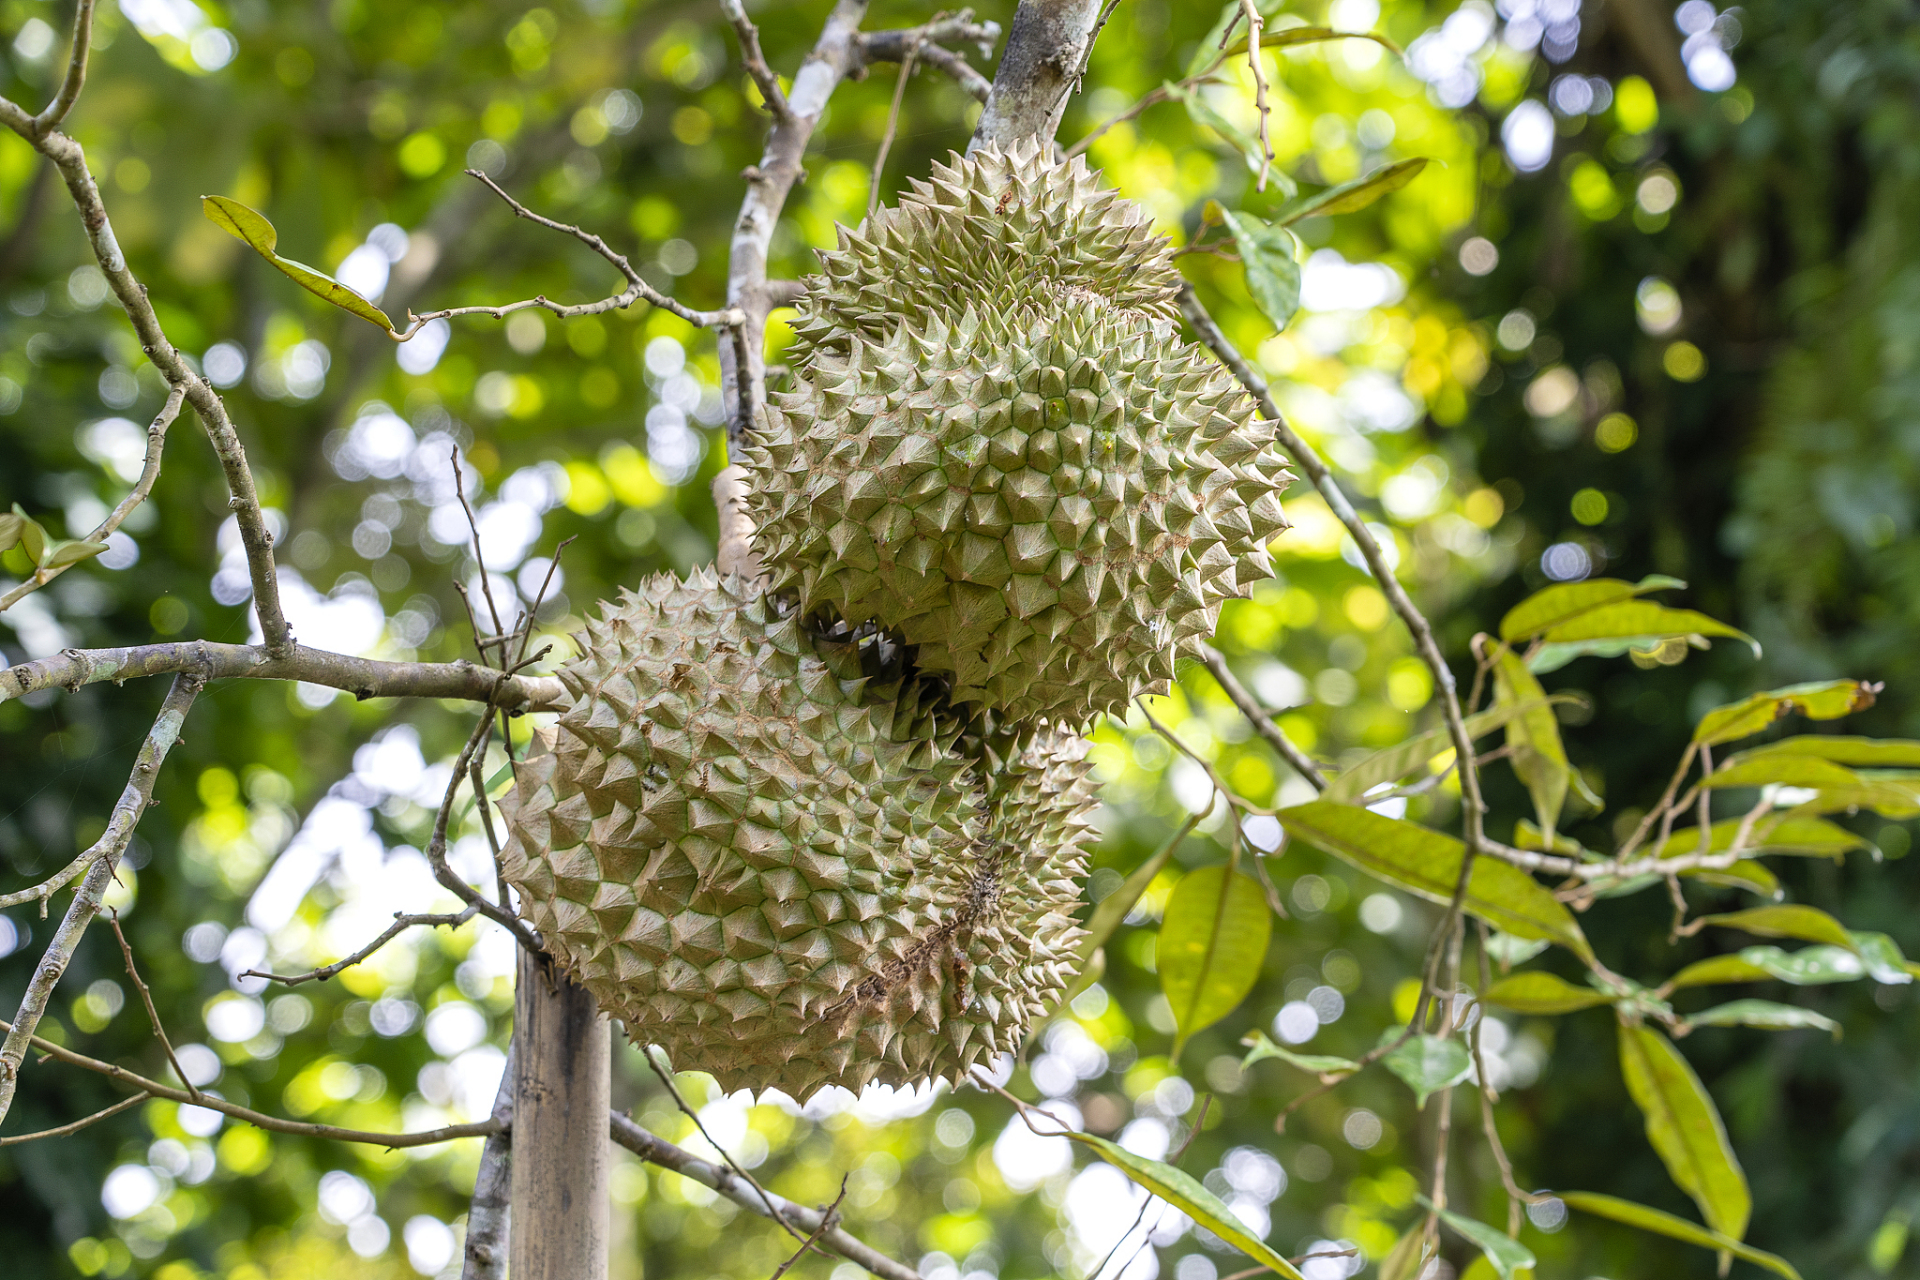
<point x="288" y="817"/>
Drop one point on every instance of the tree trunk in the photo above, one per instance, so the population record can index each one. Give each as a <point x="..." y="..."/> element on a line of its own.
<point x="1046" y="48"/>
<point x="562" y="1062"/>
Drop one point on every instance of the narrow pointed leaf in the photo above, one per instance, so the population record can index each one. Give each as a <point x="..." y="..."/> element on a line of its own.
<point x="1408" y="1258"/>
<point x="1546" y="609"/>
<point x="1824" y="700"/>
<point x="1783" y="770"/>
<point x="10" y="526"/>
<point x="1666" y="1224"/>
<point x="1809" y="966"/>
<point x="1350" y="196"/>
<point x="1889" y="799"/>
<point x="252" y="228"/>
<point x="1429" y="1063"/>
<point x="1423" y="861"/>
<point x="1212" y="944"/>
<point x="1509" y="950"/>
<point x="1393" y="763"/>
<point x="1638" y="618"/>
<point x="1533" y="740"/>
<point x="1185" y="1193"/>
<point x="1505" y="1254"/>
<point x="1112" y="909"/>
<point x="32" y="538"/>
<point x="1266" y="255"/>
<point x="1762" y="1013"/>
<point x="1787" y="920"/>
<point x="1552" y="657"/>
<point x="1745" y="874"/>
<point x="70" y="551"/>
<point x="1685" y="1128"/>
<point x="1307" y="35"/>
<point x="1543" y="993"/>
<point x="1324" y="1065"/>
<point x="1883" y="958"/>
<point x="1201" y="112"/>
<point x="1777" y="834"/>
<point x="1860" y="753"/>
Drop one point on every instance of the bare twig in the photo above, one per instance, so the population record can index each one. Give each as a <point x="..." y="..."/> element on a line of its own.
<point x="658" y="1151"/>
<point x="637" y="290"/>
<point x="149" y="472"/>
<point x="401" y="923"/>
<point x="70" y="669"/>
<point x="105" y="856"/>
<point x="1251" y="12"/>
<point x="125" y="1104"/>
<point x="666" y="1078"/>
<point x="258" y="1119"/>
<point x="485" y="1255"/>
<point x="56" y="111"/>
<point x="893" y="123"/>
<point x="756" y="61"/>
<point x="1261" y="719"/>
<point x="437" y="846"/>
<point x="829" y="1219"/>
<point x="931" y="39"/>
<point x="146" y="996"/>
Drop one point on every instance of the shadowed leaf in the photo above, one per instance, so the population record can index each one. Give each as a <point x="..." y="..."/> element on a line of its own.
<point x="1542" y="993"/>
<point x="1685" y="1129"/>
<point x="1666" y="1224"/>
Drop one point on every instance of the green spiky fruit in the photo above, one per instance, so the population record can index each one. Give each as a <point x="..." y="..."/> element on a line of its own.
<point x="998" y="447"/>
<point x="772" y="864"/>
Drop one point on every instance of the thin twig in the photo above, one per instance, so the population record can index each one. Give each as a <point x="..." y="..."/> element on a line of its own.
<point x="1261" y="719"/>
<point x="106" y="854"/>
<point x="755" y="60"/>
<point x="437" y="846"/>
<point x="401" y="923"/>
<point x="149" y="472"/>
<point x="1251" y="12"/>
<point x="658" y="1151"/>
<point x="146" y="996"/>
<point x="125" y="1104"/>
<point x="893" y="123"/>
<point x="76" y="76"/>
<point x="666" y="1078"/>
<point x="829" y="1219"/>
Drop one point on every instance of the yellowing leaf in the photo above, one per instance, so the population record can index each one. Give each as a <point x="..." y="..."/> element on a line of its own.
<point x="1780" y="833"/>
<point x="1786" y="770"/>
<point x="1762" y="1013"/>
<point x="1788" y="920"/>
<point x="1662" y="1223"/>
<point x="1825" y="700"/>
<point x="1638" y="618"/>
<point x="1426" y="862"/>
<point x="1533" y="740"/>
<point x="1266" y="255"/>
<point x="1860" y="753"/>
<point x="1685" y="1128"/>
<point x="1350" y="196"/>
<point x="1392" y="763"/>
<point x="1212" y="943"/>
<point x="1542" y="993"/>
<point x="1548" y="608"/>
<point x="250" y="227"/>
<point x="1186" y="1194"/>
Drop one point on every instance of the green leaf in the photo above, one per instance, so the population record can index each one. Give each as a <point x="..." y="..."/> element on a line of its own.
<point x="1824" y="700"/>
<point x="1273" y="274"/>
<point x="1186" y="1194"/>
<point x="1396" y="762"/>
<point x="1113" y="908"/>
<point x="251" y="228"/>
<point x="1409" y="1255"/>
<point x="1212" y="944"/>
<point x="1429" y="1063"/>
<point x="1527" y="835"/>
<point x="1509" y="950"/>
<point x="1685" y="1128"/>
<point x="1861" y="753"/>
<point x="1543" y="993"/>
<point x="1639" y="618"/>
<point x="1809" y="966"/>
<point x="1787" y="920"/>
<point x="1216" y="44"/>
<point x="1324" y="1065"/>
<point x="1762" y="1013"/>
<point x="1289" y="36"/>
<point x="1784" y="770"/>
<point x="1506" y="1254"/>
<point x="32" y="538"/>
<point x="1883" y="958"/>
<point x="1666" y="1224"/>
<point x="10" y="526"/>
<point x="1358" y="194"/>
<point x="1745" y="874"/>
<point x="1776" y="834"/>
<point x="1888" y="799"/>
<point x="70" y="551"/>
<point x="1425" y="862"/>
<point x="1533" y="740"/>
<point x="1201" y="112"/>
<point x="1546" y="609"/>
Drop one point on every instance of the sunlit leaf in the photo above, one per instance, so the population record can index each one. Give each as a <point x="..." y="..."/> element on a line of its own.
<point x="1307" y="35"/>
<point x="31" y="537"/>
<point x="1774" y="834"/>
<point x="1860" y="753"/>
<point x="1393" y="763"/>
<point x="1273" y="274"/>
<point x="1533" y="740"/>
<point x="1883" y="958"/>
<point x="1429" y="1063"/>
<point x="1112" y="910"/>
<point x="1528" y="835"/>
<point x="1324" y="1065"/>
<point x="1350" y="196"/>
<point x="1408" y="1257"/>
<point x="1637" y="618"/>
<point x="70" y="551"/>
<point x="1745" y="874"/>
<point x="1509" y="950"/>
<point x="1506" y="1254"/>
<point x="1426" y="862"/>
<point x="1544" y="993"/>
<point x="1824" y="700"/>
<point x="1666" y="1224"/>
<point x="1548" y="608"/>
<point x="250" y="227"/>
<point x="1763" y="1013"/>
<point x="1787" y="920"/>
<point x="1201" y="112"/>
<point x="1685" y="1128"/>
<point x="1185" y="1193"/>
<point x="1213" y="941"/>
<point x="1809" y="966"/>
<point x="1889" y="799"/>
<point x="1785" y="770"/>
<point x="1551" y="657"/>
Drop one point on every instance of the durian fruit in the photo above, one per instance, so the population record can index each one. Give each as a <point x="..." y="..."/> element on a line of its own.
<point x="768" y="860"/>
<point x="998" y="448"/>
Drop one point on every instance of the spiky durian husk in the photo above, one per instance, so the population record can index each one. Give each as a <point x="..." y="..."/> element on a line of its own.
<point x="771" y="863"/>
<point x="998" y="447"/>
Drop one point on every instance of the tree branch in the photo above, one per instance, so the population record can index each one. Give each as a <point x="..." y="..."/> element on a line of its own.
<point x="488" y="1220"/>
<point x="1261" y="719"/>
<point x="763" y="76"/>
<point x="146" y="997"/>
<point x="105" y="856"/>
<point x="658" y="1151"/>
<point x="401" y="923"/>
<point x="931" y="40"/>
<point x="76" y="76"/>
<point x="1046" y="50"/>
<point x="365" y="678"/>
<point x="125" y="1104"/>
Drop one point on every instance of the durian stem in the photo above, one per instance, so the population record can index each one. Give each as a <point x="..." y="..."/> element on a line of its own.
<point x="561" y="1097"/>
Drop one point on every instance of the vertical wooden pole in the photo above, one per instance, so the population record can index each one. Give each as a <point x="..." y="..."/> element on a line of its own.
<point x="562" y="1095"/>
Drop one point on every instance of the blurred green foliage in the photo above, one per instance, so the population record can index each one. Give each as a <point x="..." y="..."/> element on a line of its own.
<point x="1713" y="378"/>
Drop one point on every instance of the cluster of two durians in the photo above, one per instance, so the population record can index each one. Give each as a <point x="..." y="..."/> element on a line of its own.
<point x="829" y="826"/>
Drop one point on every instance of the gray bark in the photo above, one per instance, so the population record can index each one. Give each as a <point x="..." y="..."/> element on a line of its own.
<point x="1046" y="49"/>
<point x="562" y="1093"/>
